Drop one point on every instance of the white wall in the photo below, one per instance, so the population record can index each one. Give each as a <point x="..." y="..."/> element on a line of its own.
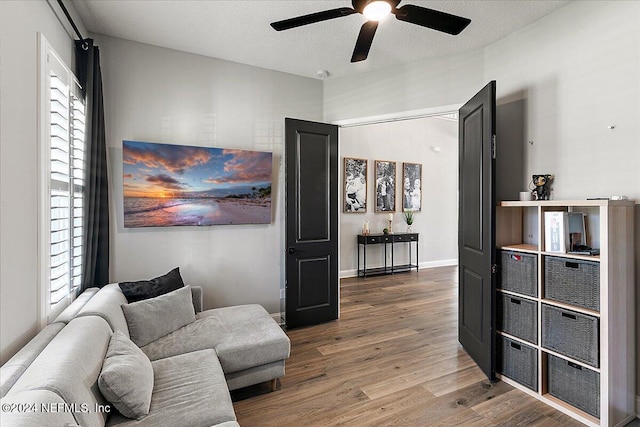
<point x="406" y="141"/>
<point x="160" y="95"/>
<point x="431" y="83"/>
<point x="20" y="22"/>
<point x="577" y="70"/>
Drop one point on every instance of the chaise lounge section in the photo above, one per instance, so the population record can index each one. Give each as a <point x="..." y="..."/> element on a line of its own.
<point x="194" y="367"/>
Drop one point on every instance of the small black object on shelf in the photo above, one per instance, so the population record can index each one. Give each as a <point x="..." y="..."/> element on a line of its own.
<point x="541" y="186"/>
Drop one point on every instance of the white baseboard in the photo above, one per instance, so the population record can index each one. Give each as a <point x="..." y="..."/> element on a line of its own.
<point x="347" y="273"/>
<point x="427" y="264"/>
<point x="440" y="263"/>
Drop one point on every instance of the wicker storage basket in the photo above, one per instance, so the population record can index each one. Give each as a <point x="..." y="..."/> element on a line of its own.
<point x="576" y="385"/>
<point x="518" y="361"/>
<point x="518" y="317"/>
<point x="519" y="272"/>
<point x="570" y="333"/>
<point x="572" y="281"/>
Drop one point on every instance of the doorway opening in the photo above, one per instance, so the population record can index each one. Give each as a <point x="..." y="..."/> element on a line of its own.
<point x="428" y="138"/>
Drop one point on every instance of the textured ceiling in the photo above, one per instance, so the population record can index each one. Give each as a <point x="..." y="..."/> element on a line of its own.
<point x="239" y="30"/>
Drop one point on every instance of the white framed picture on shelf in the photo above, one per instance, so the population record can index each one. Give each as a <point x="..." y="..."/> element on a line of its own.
<point x="556" y="236"/>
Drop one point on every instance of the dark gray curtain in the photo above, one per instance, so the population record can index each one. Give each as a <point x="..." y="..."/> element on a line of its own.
<point x="96" y="237"/>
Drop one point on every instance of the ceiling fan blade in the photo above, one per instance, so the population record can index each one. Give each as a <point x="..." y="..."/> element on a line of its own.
<point x="433" y="19"/>
<point x="365" y="38"/>
<point x="312" y="18"/>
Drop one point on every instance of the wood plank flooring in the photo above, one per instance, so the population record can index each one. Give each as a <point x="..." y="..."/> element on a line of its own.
<point x="393" y="359"/>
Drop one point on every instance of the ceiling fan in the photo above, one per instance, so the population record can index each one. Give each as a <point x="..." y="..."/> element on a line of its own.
<point x="374" y="11"/>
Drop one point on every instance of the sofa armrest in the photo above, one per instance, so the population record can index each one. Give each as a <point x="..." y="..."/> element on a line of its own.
<point x="196" y="294"/>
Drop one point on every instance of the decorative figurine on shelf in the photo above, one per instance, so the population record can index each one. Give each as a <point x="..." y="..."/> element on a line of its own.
<point x="390" y="221"/>
<point x="541" y="186"/>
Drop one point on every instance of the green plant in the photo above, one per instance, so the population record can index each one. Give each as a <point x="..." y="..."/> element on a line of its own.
<point x="408" y="217"/>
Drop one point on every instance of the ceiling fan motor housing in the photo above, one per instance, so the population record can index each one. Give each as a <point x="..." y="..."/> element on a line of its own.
<point x="359" y="5"/>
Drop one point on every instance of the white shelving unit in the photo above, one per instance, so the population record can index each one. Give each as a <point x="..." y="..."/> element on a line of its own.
<point x="520" y="227"/>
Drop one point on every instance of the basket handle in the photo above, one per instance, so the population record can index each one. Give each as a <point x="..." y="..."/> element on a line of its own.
<point x="571" y="264"/>
<point x="574" y="365"/>
<point x="569" y="316"/>
<point x="516" y="301"/>
<point x="516" y="346"/>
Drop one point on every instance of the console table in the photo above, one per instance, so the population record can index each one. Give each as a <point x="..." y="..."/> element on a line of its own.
<point x="386" y="240"/>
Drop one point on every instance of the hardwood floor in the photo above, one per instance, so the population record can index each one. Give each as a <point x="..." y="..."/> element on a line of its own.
<point x="393" y="358"/>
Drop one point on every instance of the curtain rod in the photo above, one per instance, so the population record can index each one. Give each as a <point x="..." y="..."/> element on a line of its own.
<point x="85" y="44"/>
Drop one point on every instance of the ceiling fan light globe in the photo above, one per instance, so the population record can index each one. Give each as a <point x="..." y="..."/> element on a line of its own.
<point x="376" y="10"/>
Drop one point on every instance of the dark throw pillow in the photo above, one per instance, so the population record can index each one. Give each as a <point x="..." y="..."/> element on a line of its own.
<point x="145" y="289"/>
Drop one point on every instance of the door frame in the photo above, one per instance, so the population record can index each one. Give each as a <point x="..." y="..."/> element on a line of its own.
<point x="401" y="115"/>
<point x="381" y="118"/>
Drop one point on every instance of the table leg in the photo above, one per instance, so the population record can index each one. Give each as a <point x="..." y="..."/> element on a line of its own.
<point x="385" y="257"/>
<point x="410" y="255"/>
<point x="364" y="262"/>
<point x="392" y="258"/>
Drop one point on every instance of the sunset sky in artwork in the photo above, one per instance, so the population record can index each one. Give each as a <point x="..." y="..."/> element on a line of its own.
<point x="164" y="170"/>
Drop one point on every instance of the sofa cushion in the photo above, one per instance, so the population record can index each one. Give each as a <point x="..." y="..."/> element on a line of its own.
<point x="126" y="379"/>
<point x="144" y="289"/>
<point x="69" y="366"/>
<point x="8" y="377"/>
<point x="251" y="337"/>
<point x="74" y="308"/>
<point x="36" y="415"/>
<point x="189" y="390"/>
<point x="157" y="317"/>
<point x="106" y="304"/>
<point x="15" y="367"/>
<point x="243" y="336"/>
<point x="202" y="334"/>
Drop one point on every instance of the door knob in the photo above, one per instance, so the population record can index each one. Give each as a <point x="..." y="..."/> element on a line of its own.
<point x="291" y="250"/>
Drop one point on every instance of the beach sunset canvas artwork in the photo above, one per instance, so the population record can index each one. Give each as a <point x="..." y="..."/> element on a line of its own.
<point x="179" y="185"/>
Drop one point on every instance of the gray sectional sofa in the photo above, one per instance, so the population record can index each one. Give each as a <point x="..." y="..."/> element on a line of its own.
<point x="54" y="379"/>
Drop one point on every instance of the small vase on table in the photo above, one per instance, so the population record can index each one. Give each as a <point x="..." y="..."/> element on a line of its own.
<point x="408" y="218"/>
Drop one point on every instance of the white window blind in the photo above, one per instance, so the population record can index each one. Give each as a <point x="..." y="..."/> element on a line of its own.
<point x="63" y="172"/>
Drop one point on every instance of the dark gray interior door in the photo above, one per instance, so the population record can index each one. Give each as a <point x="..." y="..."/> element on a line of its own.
<point x="311" y="163"/>
<point x="476" y="229"/>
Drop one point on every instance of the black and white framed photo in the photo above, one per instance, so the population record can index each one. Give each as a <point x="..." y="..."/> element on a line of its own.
<point x="411" y="187"/>
<point x="355" y="185"/>
<point x="385" y="186"/>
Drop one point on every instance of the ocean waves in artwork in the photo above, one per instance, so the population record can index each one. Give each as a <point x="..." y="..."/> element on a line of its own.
<point x="163" y="212"/>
